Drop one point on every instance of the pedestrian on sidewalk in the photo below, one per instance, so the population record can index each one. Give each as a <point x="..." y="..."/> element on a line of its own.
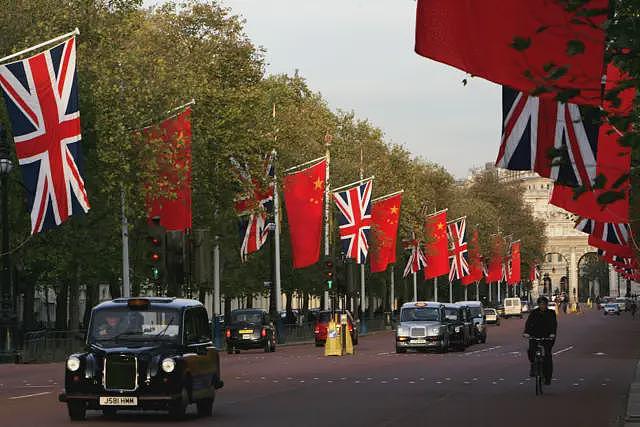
<point x="633" y="309"/>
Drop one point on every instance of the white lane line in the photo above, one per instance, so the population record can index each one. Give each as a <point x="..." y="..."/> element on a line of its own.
<point x="37" y="386"/>
<point x="30" y="395"/>
<point x="484" y="350"/>
<point x="563" y="350"/>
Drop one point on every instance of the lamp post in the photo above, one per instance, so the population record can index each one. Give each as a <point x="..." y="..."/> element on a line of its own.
<point x="7" y="312"/>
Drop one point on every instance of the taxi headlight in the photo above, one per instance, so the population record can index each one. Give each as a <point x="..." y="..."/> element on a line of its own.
<point x="73" y="363"/>
<point x="168" y="365"/>
<point x="403" y="331"/>
<point x="457" y="329"/>
<point x="434" y="331"/>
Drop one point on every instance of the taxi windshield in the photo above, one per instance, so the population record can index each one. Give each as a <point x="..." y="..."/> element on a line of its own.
<point x="451" y="313"/>
<point x="246" y="316"/>
<point x="476" y="311"/>
<point x="419" y="314"/>
<point x="126" y="324"/>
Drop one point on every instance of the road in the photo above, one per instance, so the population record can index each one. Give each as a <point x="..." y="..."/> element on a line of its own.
<point x="485" y="386"/>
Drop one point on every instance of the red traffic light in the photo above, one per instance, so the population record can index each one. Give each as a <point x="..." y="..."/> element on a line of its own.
<point x="155" y="256"/>
<point x="155" y="241"/>
<point x="328" y="265"/>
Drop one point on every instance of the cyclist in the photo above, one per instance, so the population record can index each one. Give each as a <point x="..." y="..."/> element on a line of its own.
<point x="542" y="323"/>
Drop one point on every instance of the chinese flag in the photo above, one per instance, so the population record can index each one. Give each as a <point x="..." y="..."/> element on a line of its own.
<point x="495" y="264"/>
<point x="385" y="215"/>
<point x="613" y="163"/>
<point x="304" y="201"/>
<point x="173" y="204"/>
<point x="475" y="263"/>
<point x="480" y="37"/>
<point x="437" y="247"/>
<point x="514" y="278"/>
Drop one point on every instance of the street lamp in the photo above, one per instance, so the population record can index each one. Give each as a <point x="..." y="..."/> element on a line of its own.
<point x="7" y="312"/>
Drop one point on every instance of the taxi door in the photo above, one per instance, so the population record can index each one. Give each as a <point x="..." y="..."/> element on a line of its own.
<point x="201" y="358"/>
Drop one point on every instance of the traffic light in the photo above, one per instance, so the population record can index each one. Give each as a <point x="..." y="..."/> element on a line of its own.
<point x="328" y="267"/>
<point x="157" y="250"/>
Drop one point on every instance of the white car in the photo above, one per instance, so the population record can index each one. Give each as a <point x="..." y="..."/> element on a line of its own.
<point x="611" y="308"/>
<point x="622" y="303"/>
<point x="491" y="316"/>
<point x="512" y="307"/>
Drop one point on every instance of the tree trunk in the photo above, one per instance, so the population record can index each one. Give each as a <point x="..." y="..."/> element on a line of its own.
<point x="29" y="296"/>
<point x="249" y="300"/>
<point x="91" y="301"/>
<point x="227" y="308"/>
<point x="61" y="306"/>
<point x="74" y="300"/>
<point x="114" y="289"/>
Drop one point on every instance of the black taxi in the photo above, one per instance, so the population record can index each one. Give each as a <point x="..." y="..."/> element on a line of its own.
<point x="144" y="353"/>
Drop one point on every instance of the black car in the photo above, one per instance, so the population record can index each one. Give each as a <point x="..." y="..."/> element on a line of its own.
<point x="250" y="328"/>
<point x="144" y="353"/>
<point x="461" y="327"/>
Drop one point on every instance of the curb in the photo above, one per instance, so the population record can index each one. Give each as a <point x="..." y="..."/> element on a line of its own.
<point x="632" y="415"/>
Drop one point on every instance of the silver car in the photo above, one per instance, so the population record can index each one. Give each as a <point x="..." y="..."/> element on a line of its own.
<point x="477" y="311"/>
<point x="422" y="326"/>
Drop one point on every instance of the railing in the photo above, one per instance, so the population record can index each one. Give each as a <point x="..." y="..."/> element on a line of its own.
<point x="51" y="346"/>
<point x="297" y="333"/>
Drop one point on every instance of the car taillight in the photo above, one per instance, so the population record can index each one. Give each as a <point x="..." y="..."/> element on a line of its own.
<point x="316" y="330"/>
<point x="350" y="328"/>
<point x="228" y="334"/>
<point x="264" y="332"/>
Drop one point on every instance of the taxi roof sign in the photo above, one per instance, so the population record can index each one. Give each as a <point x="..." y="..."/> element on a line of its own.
<point x="138" y="303"/>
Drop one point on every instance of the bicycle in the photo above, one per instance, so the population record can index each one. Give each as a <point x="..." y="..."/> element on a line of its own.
<point x="538" y="362"/>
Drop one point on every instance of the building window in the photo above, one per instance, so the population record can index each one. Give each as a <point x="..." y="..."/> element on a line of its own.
<point x="559" y="258"/>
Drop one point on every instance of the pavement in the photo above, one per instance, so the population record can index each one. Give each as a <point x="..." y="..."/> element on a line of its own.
<point x="595" y="363"/>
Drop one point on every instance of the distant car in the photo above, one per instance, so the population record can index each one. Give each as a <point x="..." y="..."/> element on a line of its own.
<point x="525" y="306"/>
<point x="552" y="306"/>
<point x="477" y="312"/>
<point x="423" y="325"/>
<point x="611" y="308"/>
<point x="250" y="328"/>
<point x="512" y="307"/>
<point x="461" y="328"/>
<point x="144" y="353"/>
<point x="492" y="316"/>
<point x="500" y="310"/>
<point x="322" y="324"/>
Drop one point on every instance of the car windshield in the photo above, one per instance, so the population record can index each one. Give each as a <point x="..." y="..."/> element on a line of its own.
<point x="246" y="316"/>
<point x="419" y="314"/>
<point x="451" y="313"/>
<point x="476" y="311"/>
<point x="125" y="324"/>
<point x="489" y="311"/>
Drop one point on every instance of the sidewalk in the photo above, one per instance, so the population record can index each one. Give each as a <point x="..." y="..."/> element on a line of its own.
<point x="632" y="416"/>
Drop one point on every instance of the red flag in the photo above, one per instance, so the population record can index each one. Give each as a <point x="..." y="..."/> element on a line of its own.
<point x="534" y="272"/>
<point x="304" y="201"/>
<point x="385" y="215"/>
<point x="174" y="164"/>
<point x="495" y="264"/>
<point x="437" y="248"/>
<point x="475" y="263"/>
<point x="480" y="37"/>
<point x="514" y="276"/>
<point x="613" y="163"/>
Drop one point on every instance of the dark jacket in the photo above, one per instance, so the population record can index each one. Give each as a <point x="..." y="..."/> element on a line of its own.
<point x="541" y="324"/>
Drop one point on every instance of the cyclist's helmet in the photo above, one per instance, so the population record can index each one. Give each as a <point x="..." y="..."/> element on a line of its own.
<point x="543" y="300"/>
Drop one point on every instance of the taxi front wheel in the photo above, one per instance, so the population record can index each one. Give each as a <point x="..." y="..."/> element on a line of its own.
<point x="205" y="407"/>
<point x="77" y="410"/>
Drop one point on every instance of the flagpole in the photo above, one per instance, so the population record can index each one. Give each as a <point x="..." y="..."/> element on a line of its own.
<point x="327" y="206"/>
<point x="363" y="299"/>
<point x="499" y="286"/>
<point x="276" y="235"/>
<point x="490" y="291"/>
<point x="465" y="293"/>
<point x="126" y="284"/>
<point x="477" y="291"/>
<point x="301" y="165"/>
<point x="435" y="289"/>
<point x="360" y="181"/>
<point x="415" y="286"/>
<point x="450" y="291"/>
<point x="387" y="196"/>
<point x="393" y="290"/>
<point x="53" y="40"/>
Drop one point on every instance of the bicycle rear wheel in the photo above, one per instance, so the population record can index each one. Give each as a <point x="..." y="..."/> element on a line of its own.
<point x="539" y="377"/>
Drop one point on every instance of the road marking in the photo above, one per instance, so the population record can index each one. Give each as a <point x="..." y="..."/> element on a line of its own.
<point x="599" y="354"/>
<point x="563" y="350"/>
<point x="29" y="395"/>
<point x="36" y="386"/>
<point x="382" y="354"/>
<point x="484" y="350"/>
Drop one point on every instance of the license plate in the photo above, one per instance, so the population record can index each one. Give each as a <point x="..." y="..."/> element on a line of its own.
<point x="419" y="341"/>
<point x="247" y="336"/>
<point x="246" y="331"/>
<point x="118" y="401"/>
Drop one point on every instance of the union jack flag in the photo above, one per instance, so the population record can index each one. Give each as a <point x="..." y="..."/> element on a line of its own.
<point x="417" y="260"/>
<point x="458" y="249"/>
<point x="613" y="237"/>
<point x="548" y="137"/>
<point x="354" y="220"/>
<point x="41" y="95"/>
<point x="253" y="206"/>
